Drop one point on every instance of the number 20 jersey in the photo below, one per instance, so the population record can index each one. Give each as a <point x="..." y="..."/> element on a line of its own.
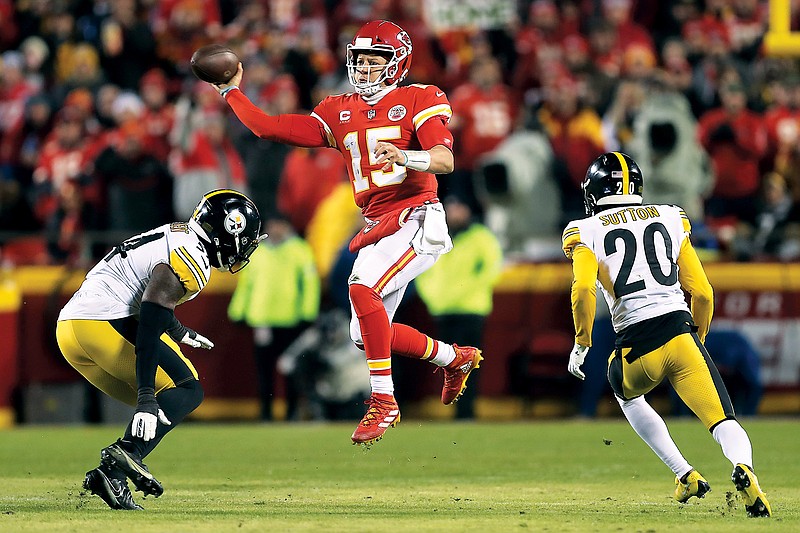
<point x="354" y="127"/>
<point x="115" y="286"/>
<point x="637" y="250"/>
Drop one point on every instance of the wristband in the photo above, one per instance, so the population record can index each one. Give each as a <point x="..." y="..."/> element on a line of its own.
<point x="417" y="159"/>
<point x="226" y="90"/>
<point x="177" y="330"/>
<point x="146" y="400"/>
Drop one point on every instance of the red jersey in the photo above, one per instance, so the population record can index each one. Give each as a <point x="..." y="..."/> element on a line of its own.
<point x="411" y="118"/>
<point x="354" y="127"/>
<point x="486" y="118"/>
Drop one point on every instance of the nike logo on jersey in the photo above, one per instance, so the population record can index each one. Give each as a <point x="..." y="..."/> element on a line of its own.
<point x="439" y="93"/>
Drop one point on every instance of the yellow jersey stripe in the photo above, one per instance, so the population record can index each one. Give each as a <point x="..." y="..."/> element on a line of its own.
<point x="626" y="177"/>
<point x="193" y="267"/>
<point x="185" y="272"/>
<point x="425" y="114"/>
<point x="202" y="275"/>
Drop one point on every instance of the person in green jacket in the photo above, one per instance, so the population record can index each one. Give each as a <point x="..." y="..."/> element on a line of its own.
<point x="457" y="290"/>
<point x="278" y="297"/>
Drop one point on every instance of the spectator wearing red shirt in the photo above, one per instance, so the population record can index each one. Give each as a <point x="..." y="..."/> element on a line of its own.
<point x="64" y="157"/>
<point x="14" y="93"/>
<point x="627" y="32"/>
<point x="206" y="161"/>
<point x="576" y="135"/>
<point x="603" y="43"/>
<point x="299" y="196"/>
<point x="20" y="147"/>
<point x="535" y="42"/>
<point x="782" y="121"/>
<point x="484" y="113"/>
<point x="158" y="116"/>
<point x="747" y="27"/>
<point x="182" y="26"/>
<point x="735" y="139"/>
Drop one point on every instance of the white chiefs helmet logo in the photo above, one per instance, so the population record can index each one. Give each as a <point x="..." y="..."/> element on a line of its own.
<point x="235" y="223"/>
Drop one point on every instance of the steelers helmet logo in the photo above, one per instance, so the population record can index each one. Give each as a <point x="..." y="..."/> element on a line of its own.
<point x="235" y="222"/>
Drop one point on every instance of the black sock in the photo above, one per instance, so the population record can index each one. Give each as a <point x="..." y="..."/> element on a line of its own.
<point x="176" y="403"/>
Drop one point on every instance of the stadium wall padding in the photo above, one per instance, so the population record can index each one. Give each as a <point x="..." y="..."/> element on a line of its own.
<point x="531" y="312"/>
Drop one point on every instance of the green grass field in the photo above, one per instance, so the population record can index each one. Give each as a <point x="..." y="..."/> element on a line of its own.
<point x="423" y="476"/>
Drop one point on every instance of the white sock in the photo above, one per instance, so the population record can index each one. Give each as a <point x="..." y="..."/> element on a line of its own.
<point x="734" y="441"/>
<point x="652" y="429"/>
<point x="445" y="354"/>
<point x="382" y="384"/>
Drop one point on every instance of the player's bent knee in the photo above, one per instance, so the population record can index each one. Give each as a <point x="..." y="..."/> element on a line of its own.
<point x="194" y="393"/>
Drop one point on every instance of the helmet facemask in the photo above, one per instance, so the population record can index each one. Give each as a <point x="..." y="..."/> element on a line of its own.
<point x="389" y="70"/>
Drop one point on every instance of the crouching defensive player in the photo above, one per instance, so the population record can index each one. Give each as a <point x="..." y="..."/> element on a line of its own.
<point x="640" y="257"/>
<point x="119" y="330"/>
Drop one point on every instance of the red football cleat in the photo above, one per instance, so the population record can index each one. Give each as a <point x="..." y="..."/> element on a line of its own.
<point x="382" y="413"/>
<point x="456" y="373"/>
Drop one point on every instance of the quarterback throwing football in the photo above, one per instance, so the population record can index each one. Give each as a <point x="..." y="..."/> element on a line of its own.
<point x="393" y="139"/>
<point x="120" y="332"/>
<point x="640" y="257"/>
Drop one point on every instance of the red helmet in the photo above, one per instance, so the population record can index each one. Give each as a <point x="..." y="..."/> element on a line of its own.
<point x="385" y="38"/>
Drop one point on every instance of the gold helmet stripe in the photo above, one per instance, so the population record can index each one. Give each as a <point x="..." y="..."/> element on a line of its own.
<point x="212" y="194"/>
<point x="626" y="177"/>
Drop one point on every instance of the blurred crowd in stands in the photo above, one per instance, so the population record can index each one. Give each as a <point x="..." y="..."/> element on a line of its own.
<point x="104" y="132"/>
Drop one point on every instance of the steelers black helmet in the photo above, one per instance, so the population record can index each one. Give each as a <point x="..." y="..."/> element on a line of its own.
<point x="613" y="179"/>
<point x="229" y="226"/>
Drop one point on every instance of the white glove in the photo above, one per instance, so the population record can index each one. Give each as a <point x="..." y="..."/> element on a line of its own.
<point x="144" y="424"/>
<point x="195" y="340"/>
<point x="576" y="357"/>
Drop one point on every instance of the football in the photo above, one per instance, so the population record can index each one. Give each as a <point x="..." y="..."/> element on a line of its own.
<point x="214" y="63"/>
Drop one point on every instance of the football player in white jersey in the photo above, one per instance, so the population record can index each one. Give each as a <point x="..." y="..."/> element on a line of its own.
<point x="120" y="332"/>
<point x="641" y="259"/>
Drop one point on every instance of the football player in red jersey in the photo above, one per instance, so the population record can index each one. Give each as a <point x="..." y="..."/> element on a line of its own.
<point x="393" y="139"/>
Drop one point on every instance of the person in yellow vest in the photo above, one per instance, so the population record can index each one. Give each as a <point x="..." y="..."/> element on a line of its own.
<point x="278" y="297"/>
<point x="457" y="290"/>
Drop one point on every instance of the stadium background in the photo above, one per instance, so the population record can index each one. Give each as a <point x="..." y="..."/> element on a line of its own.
<point x="295" y="48"/>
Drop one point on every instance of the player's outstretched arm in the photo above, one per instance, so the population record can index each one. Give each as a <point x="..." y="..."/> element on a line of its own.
<point x="297" y="130"/>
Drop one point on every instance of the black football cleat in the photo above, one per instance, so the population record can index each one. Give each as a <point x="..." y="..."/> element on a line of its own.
<point x="114" y="492"/>
<point x="115" y="456"/>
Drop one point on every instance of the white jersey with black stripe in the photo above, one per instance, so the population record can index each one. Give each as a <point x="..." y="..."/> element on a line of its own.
<point x="115" y="286"/>
<point x="637" y="252"/>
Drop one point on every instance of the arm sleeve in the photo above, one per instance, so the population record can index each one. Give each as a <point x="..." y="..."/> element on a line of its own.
<point x="176" y="330"/>
<point x="153" y="321"/>
<point x="434" y="132"/>
<point x="583" y="293"/>
<point x="297" y="130"/>
<point x="693" y="279"/>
